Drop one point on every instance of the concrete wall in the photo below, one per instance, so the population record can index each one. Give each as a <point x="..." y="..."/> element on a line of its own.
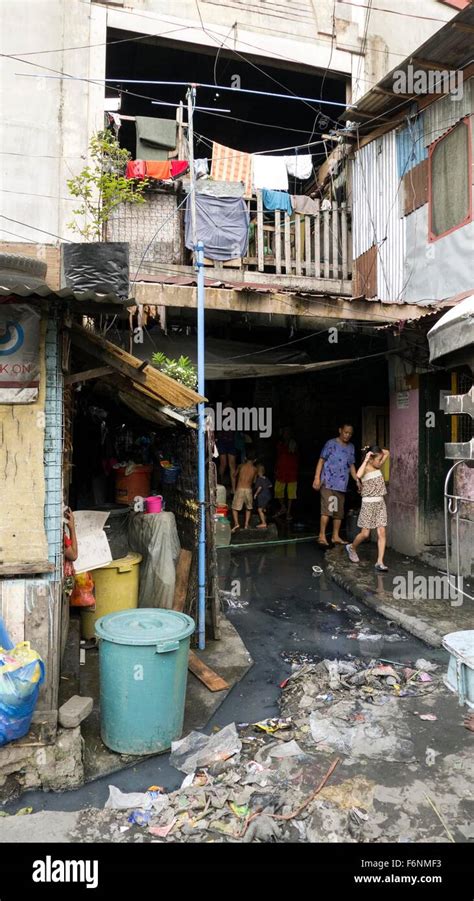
<point x="464" y="487"/>
<point x="46" y="123"/>
<point x="403" y="495"/>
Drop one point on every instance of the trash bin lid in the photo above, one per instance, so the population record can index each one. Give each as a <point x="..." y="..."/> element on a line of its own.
<point x="144" y="626"/>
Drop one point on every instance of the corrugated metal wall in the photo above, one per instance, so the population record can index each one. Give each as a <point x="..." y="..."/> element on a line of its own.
<point x="442" y="115"/>
<point x="376" y="213"/>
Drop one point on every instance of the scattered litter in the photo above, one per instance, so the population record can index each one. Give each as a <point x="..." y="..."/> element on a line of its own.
<point x="188" y="780"/>
<point x="299" y="657"/>
<point x="149" y="800"/>
<point x="273" y="725"/>
<point x="162" y="831"/>
<point x="422" y="664"/>
<point x="288" y="749"/>
<point x="366" y="636"/>
<point x="140" y="817"/>
<point x="24" y="812"/>
<point x="425" y="677"/>
<point x="124" y="828"/>
<point x="240" y="811"/>
<point x="198" y="750"/>
<point x="428" y="716"/>
<point x="317" y="570"/>
<point x="373" y="738"/>
<point x="358" y="815"/>
<point x="353" y="608"/>
<point x="232" y="600"/>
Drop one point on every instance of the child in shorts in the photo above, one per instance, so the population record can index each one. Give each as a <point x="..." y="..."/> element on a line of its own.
<point x="263" y="495"/>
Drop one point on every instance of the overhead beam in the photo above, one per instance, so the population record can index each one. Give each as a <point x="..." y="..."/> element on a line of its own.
<point x="232" y="301"/>
<point x="87" y="375"/>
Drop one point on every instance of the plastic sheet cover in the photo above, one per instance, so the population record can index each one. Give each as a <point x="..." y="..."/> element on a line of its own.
<point x="155" y="537"/>
<point x="102" y="267"/>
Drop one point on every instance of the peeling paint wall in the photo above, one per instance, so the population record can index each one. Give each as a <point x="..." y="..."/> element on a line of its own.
<point x="22" y="486"/>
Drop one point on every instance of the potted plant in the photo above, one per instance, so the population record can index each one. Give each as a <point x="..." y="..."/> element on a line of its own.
<point x="96" y="264"/>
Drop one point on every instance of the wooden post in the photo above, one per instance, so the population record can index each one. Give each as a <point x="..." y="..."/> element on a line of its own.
<point x="298" y="242"/>
<point x="307" y="244"/>
<point x="326" y="243"/>
<point x="183" y="568"/>
<point x="344" y="239"/>
<point x="287" y="245"/>
<point x="260" y="238"/>
<point x="317" y="243"/>
<point x="335" y="240"/>
<point x="278" y="242"/>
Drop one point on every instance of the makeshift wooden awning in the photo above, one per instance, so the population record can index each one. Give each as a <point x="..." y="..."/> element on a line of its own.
<point x="135" y="375"/>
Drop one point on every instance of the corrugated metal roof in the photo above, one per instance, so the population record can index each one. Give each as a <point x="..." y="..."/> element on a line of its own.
<point x="434" y="309"/>
<point x="449" y="48"/>
<point x="41" y="291"/>
<point x="446" y="112"/>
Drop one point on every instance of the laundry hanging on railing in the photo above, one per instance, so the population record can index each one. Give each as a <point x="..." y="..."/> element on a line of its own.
<point x="222" y="224"/>
<point x="277" y="200"/>
<point x="155" y="137"/>
<point x="231" y="165"/>
<point x="299" y="166"/>
<point x="269" y="172"/>
<point x="305" y="205"/>
<point x="163" y="170"/>
<point x="201" y="167"/>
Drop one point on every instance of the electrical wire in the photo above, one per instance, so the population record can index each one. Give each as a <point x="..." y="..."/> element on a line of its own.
<point x="34" y="228"/>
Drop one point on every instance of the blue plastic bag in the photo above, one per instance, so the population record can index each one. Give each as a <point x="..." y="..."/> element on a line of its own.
<point x="21" y="676"/>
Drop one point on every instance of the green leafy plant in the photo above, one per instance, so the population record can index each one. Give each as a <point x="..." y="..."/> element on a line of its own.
<point x="181" y="370"/>
<point x="102" y="186"/>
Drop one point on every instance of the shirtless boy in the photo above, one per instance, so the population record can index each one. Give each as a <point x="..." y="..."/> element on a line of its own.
<point x="243" y="497"/>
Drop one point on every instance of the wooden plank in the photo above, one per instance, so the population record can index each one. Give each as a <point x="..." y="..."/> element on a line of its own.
<point x="287" y="244"/>
<point x="278" y="241"/>
<point x="260" y="244"/>
<point x="317" y="243"/>
<point x="298" y="243"/>
<point x="165" y="389"/>
<point x="87" y="375"/>
<point x="183" y="568"/>
<point x="205" y="674"/>
<point x="335" y="240"/>
<point x="307" y="244"/>
<point x="326" y="243"/>
<point x="344" y="239"/>
<point x="25" y="569"/>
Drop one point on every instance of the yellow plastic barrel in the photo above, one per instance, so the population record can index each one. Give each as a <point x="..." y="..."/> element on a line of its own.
<point x="116" y="588"/>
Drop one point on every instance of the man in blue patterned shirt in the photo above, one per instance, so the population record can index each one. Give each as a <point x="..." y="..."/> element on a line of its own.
<point x="336" y="462"/>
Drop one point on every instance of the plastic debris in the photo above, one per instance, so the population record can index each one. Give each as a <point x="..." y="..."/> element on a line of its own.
<point x="428" y="716"/>
<point x="140" y="817"/>
<point x="286" y="749"/>
<point x="198" y="750"/>
<point x="24" y="812"/>
<point x="353" y="608"/>
<point x="239" y="810"/>
<point x="317" y="571"/>
<point x="422" y="664"/>
<point x="425" y="677"/>
<point x="232" y="600"/>
<point x="162" y="831"/>
<point x="271" y="726"/>
<point x="151" y="799"/>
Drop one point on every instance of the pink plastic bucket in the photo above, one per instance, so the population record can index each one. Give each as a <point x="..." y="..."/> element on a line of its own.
<point x="154" y="504"/>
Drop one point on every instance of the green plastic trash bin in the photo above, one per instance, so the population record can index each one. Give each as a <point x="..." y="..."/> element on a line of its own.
<point x="143" y="657"/>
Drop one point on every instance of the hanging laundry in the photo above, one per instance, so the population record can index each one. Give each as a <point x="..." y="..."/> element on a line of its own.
<point x="222" y="224"/>
<point x="201" y="167"/>
<point x="299" y="166"/>
<point x="305" y="205"/>
<point x="232" y="165"/>
<point x="269" y="172"/>
<point x="277" y="200"/>
<point x="178" y="167"/>
<point x="160" y="169"/>
<point x="155" y="137"/>
<point x="136" y="169"/>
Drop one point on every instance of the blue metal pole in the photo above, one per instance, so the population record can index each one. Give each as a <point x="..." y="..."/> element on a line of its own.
<point x="201" y="452"/>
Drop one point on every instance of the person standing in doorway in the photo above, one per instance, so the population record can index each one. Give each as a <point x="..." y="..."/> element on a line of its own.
<point x="286" y="472"/>
<point x="373" y="512"/>
<point x="335" y="464"/>
<point x="243" y="497"/>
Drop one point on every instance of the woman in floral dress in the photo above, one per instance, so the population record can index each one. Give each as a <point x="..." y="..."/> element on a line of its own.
<point x="373" y="512"/>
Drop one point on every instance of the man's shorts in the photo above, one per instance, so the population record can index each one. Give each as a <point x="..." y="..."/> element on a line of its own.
<point x="280" y="490"/>
<point x="243" y="496"/>
<point x="332" y="503"/>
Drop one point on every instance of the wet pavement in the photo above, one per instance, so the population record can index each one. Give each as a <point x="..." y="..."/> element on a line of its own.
<point x="283" y="612"/>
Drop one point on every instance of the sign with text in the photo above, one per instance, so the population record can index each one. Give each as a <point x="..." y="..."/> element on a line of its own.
<point x="19" y="354"/>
